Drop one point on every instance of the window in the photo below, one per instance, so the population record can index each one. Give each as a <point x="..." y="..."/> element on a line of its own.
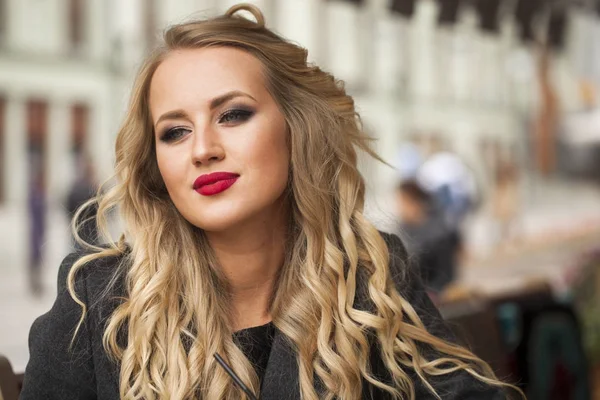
<point x="489" y="14"/>
<point x="448" y="13"/>
<point x="3" y="19"/>
<point x="357" y="2"/>
<point x="79" y="127"/>
<point x="36" y="120"/>
<point x="76" y="8"/>
<point x="403" y="7"/>
<point x="37" y="126"/>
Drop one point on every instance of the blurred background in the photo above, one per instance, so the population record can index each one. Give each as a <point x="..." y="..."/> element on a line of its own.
<point x="486" y="110"/>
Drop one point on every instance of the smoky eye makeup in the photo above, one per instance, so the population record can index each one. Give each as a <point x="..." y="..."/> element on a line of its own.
<point x="235" y="114"/>
<point x="232" y="116"/>
<point x="173" y="134"/>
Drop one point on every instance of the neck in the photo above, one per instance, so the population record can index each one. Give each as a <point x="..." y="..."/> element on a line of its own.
<point x="251" y="256"/>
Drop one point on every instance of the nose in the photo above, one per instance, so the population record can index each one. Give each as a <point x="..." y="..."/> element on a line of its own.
<point x="206" y="147"/>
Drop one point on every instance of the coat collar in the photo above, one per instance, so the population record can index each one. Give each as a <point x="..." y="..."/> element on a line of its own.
<point x="281" y="378"/>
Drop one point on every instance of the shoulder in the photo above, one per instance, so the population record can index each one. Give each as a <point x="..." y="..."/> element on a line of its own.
<point x="97" y="276"/>
<point x="61" y="362"/>
<point x="455" y="385"/>
<point x="403" y="271"/>
<point x="393" y="241"/>
<point x="396" y="249"/>
<point x="97" y="282"/>
<point x="399" y="272"/>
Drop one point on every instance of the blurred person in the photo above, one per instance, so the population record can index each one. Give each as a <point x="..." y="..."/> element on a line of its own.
<point x="238" y="183"/>
<point x="37" y="230"/>
<point x="452" y="184"/>
<point x="430" y="240"/>
<point x="83" y="189"/>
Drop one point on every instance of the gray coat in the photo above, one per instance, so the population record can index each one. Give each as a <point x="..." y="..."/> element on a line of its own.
<point x="85" y="372"/>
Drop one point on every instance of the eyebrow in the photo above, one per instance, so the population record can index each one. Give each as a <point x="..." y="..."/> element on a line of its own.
<point x="214" y="103"/>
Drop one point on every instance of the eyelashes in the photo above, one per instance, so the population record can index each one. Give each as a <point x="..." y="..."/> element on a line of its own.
<point x="235" y="115"/>
<point x="232" y="117"/>
<point x="174" y="134"/>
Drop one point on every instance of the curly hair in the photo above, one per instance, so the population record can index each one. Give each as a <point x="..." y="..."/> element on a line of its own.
<point x="174" y="314"/>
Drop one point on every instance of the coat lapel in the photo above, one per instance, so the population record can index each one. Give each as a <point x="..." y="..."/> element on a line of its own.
<point x="281" y="381"/>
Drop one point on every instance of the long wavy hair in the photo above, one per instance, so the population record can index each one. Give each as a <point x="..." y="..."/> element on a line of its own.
<point x="174" y="313"/>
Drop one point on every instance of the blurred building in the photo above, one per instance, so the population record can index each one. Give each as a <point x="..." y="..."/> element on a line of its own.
<point x="463" y="74"/>
<point x="57" y="99"/>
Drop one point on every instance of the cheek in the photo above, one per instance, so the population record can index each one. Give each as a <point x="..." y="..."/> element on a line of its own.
<point x="269" y="175"/>
<point x="279" y="170"/>
<point x="281" y="173"/>
<point x="272" y="158"/>
<point x="169" y="170"/>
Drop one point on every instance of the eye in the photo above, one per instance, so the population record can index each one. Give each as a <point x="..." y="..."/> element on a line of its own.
<point x="174" y="134"/>
<point x="235" y="116"/>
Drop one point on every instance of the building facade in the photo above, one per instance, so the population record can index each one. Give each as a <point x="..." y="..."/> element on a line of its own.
<point x="66" y="68"/>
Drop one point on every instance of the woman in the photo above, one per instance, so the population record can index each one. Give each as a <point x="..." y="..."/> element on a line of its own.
<point x="245" y="237"/>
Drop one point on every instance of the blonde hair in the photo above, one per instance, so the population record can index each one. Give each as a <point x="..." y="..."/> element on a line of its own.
<point x="174" y="313"/>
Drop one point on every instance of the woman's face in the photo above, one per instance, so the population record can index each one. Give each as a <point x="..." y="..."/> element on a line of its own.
<point x="220" y="137"/>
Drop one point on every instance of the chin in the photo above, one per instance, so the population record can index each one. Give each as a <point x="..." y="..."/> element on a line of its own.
<point x="215" y="226"/>
<point x="226" y="214"/>
<point x="217" y="220"/>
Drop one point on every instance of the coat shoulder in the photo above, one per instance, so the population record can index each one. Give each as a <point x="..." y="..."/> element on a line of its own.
<point x="403" y="271"/>
<point x="98" y="282"/>
<point x="100" y="276"/>
<point x="63" y="346"/>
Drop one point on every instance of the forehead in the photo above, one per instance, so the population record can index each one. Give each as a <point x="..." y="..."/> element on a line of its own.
<point x="205" y="73"/>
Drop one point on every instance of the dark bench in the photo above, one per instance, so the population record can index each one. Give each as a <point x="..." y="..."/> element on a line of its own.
<point x="10" y="383"/>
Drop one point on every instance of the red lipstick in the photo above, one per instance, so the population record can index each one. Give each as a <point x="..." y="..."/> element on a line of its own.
<point x="215" y="183"/>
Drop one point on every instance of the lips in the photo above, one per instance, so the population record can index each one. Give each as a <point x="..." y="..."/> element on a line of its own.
<point x="217" y="182"/>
